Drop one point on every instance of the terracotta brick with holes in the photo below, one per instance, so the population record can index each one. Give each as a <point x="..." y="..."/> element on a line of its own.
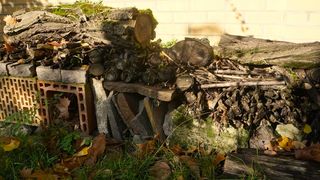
<point x="84" y="102"/>
<point x="18" y="96"/>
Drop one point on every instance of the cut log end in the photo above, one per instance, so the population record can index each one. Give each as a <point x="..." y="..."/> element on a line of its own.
<point x="143" y="29"/>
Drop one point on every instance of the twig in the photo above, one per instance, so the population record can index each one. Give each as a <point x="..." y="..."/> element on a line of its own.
<point x="248" y="83"/>
<point x="233" y="72"/>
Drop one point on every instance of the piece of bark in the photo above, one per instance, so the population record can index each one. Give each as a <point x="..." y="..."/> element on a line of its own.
<point x="254" y="51"/>
<point x="150" y="91"/>
<point x="252" y="162"/>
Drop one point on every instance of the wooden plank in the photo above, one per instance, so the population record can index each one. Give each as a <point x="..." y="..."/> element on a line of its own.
<point x="251" y="162"/>
<point x="249" y="50"/>
<point x="149" y="91"/>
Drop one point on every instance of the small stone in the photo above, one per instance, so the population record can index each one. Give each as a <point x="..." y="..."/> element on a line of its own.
<point x="307" y="86"/>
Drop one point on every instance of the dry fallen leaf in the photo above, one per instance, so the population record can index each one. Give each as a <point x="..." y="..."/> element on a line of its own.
<point x="25" y="172"/>
<point x="83" y="152"/>
<point x="307" y="129"/>
<point x="219" y="158"/>
<point x="309" y="153"/>
<point x="97" y="149"/>
<point x="146" y="148"/>
<point x="38" y="174"/>
<point x="63" y="107"/>
<point x="285" y="143"/>
<point x="10" y="21"/>
<point x="192" y="164"/>
<point x="12" y="145"/>
<point x="67" y="165"/>
<point x="160" y="170"/>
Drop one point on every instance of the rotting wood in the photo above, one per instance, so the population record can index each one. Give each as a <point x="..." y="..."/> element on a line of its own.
<point x="150" y="91"/>
<point x="250" y="162"/>
<point x="249" y="50"/>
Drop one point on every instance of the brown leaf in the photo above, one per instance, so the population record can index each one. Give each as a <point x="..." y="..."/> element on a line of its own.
<point x="219" y="158"/>
<point x="192" y="164"/>
<point x="146" y="148"/>
<point x="177" y="149"/>
<point x="67" y="165"/>
<point x="63" y="107"/>
<point x="8" y="47"/>
<point x="97" y="149"/>
<point x="38" y="174"/>
<point x="5" y="140"/>
<point x="160" y="170"/>
<point x="309" y="153"/>
<point x="25" y="172"/>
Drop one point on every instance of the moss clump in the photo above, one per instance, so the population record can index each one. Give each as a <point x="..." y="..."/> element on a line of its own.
<point x="189" y="132"/>
<point x="88" y="8"/>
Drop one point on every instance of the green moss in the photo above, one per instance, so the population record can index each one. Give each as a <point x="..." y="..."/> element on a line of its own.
<point x="169" y="44"/>
<point x="87" y="7"/>
<point x="182" y="117"/>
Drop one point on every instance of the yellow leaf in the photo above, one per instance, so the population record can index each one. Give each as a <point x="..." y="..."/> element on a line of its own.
<point x="285" y="143"/>
<point x="307" y="129"/>
<point x="84" y="151"/>
<point x="14" y="144"/>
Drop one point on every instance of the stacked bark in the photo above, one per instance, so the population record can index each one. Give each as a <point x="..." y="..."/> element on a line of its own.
<point x="41" y="37"/>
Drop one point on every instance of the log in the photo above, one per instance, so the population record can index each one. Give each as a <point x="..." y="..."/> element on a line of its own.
<point x="196" y="52"/>
<point x="149" y="91"/>
<point x="253" y="51"/>
<point x="254" y="163"/>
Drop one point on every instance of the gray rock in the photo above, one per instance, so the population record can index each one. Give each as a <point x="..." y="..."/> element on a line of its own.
<point x="100" y="101"/>
<point x="74" y="76"/>
<point x="22" y="70"/>
<point x="48" y="74"/>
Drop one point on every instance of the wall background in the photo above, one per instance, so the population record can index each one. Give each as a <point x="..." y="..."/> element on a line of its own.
<point x="289" y="20"/>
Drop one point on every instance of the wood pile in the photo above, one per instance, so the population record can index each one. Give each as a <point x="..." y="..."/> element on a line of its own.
<point x="241" y="83"/>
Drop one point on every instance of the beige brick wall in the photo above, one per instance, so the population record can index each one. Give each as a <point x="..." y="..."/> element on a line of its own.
<point x="289" y="20"/>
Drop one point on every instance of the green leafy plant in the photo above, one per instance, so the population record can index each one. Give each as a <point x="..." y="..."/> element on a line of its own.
<point x="169" y="44"/>
<point x="66" y="143"/>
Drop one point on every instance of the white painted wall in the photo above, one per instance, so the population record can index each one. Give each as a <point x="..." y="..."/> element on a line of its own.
<point x="289" y="20"/>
